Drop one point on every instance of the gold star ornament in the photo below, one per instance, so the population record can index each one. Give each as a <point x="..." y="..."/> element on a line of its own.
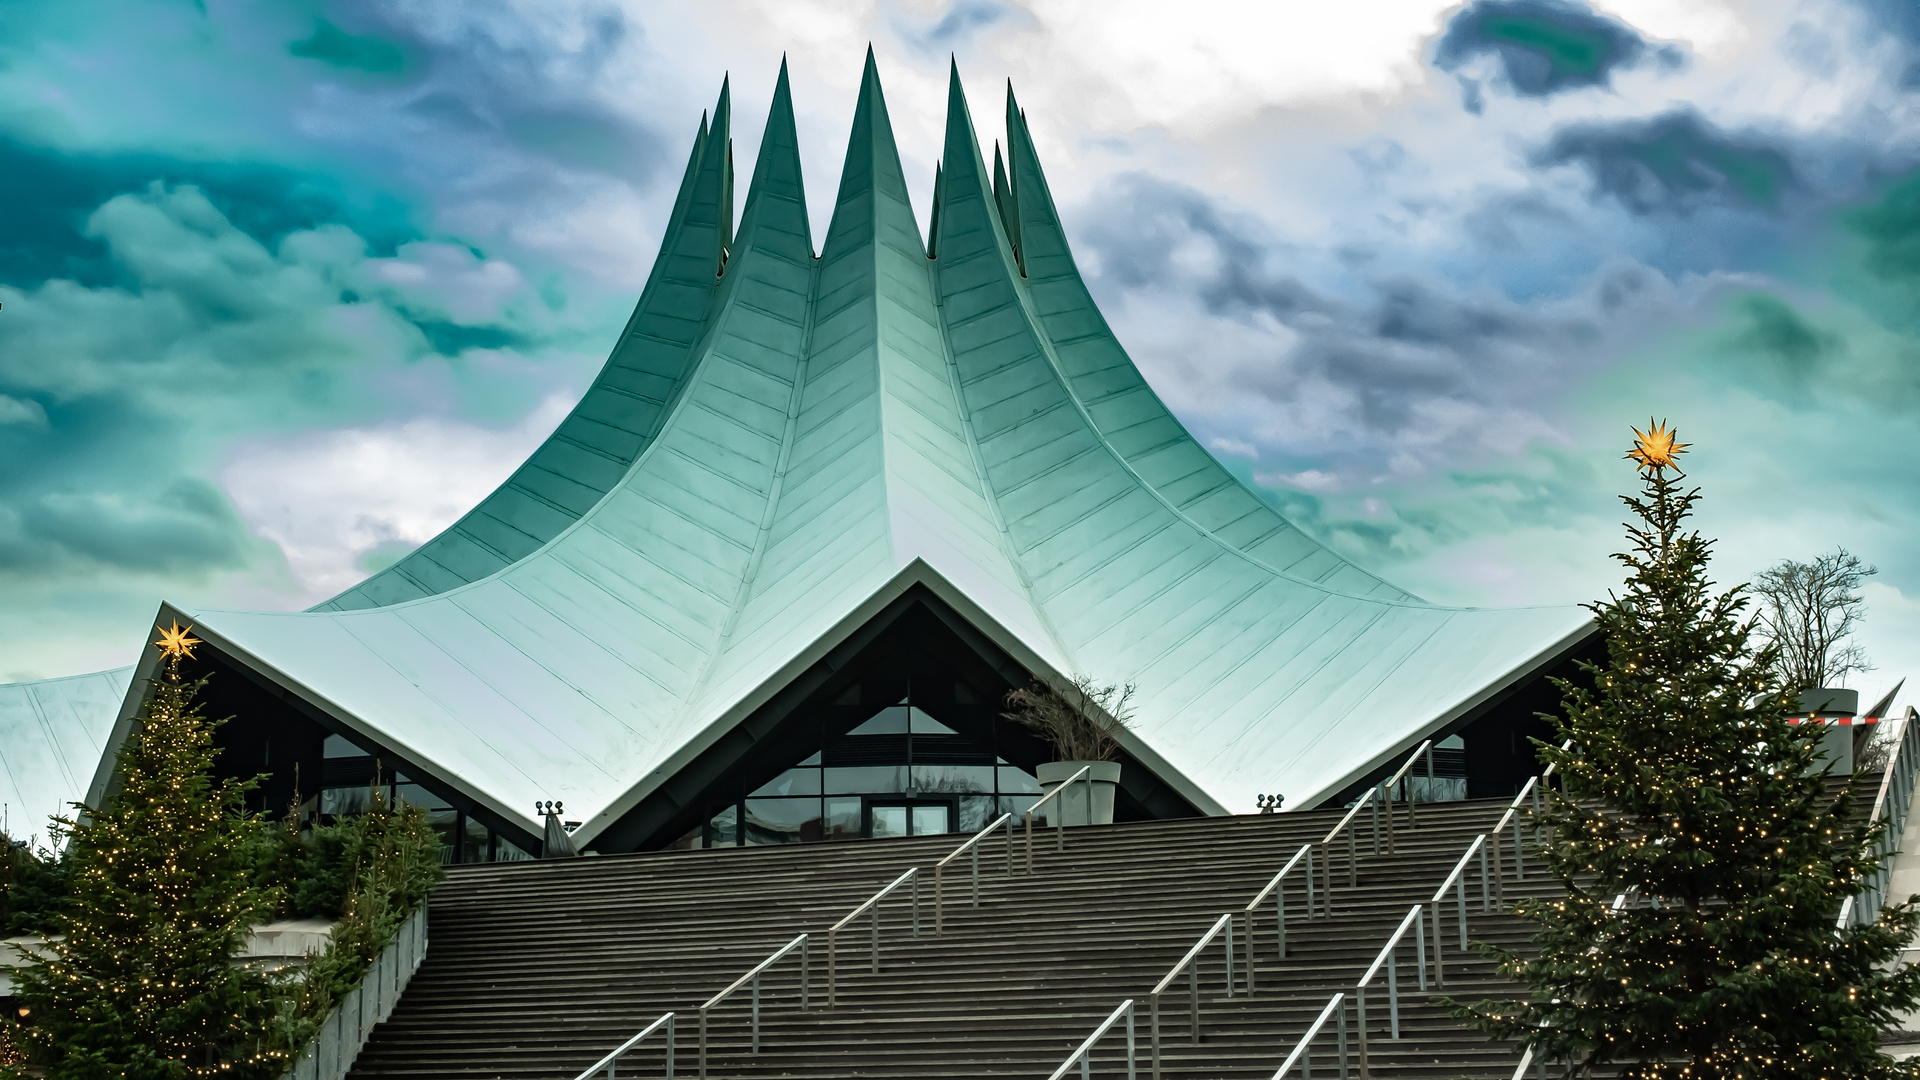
<point x="175" y="642"/>
<point x="1656" y="448"/>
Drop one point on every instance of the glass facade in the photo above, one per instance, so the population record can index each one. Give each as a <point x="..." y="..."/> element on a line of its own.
<point x="350" y="776"/>
<point x="897" y="772"/>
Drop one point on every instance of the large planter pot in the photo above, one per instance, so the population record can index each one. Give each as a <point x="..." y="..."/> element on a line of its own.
<point x="1105" y="776"/>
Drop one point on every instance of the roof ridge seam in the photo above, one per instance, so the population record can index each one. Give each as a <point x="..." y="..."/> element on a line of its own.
<point x="769" y="513"/>
<point x="987" y="494"/>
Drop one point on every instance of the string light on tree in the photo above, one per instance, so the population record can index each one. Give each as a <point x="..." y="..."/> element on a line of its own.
<point x="1687" y="789"/>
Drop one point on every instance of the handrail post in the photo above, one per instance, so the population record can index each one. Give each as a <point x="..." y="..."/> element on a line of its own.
<point x="1393" y="993"/>
<point x="1153" y="1032"/>
<point x="1130" y="1067"/>
<point x="669" y="1046"/>
<point x="1229" y="957"/>
<point x="1341" y="1031"/>
<point x="939" y="912"/>
<point x="1461" y="891"/>
<point x="1280" y="919"/>
<point x="874" y="923"/>
<point x="1193" y="1005"/>
<point x="1326" y="870"/>
<point x="703" y="1042"/>
<point x="1392" y="848"/>
<point x="1353" y="862"/>
<point x="1373" y="803"/>
<point x="756" y="1015"/>
<point x="832" y="933"/>
<point x="1519" y="856"/>
<point x="1309" y="881"/>
<point x="1486" y="899"/>
<point x="1420" y="951"/>
<point x="1360" y="1028"/>
<point x="1439" y="952"/>
<point x="916" y="902"/>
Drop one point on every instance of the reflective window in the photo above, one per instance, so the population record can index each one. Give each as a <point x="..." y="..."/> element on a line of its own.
<point x="899" y="771"/>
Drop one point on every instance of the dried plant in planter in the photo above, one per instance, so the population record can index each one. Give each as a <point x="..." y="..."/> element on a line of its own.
<point x="1078" y="719"/>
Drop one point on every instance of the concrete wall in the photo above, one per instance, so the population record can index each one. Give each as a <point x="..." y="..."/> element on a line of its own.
<point x="334" y="1049"/>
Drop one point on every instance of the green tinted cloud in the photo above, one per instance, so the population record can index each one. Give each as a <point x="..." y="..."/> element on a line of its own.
<point x="356" y="52"/>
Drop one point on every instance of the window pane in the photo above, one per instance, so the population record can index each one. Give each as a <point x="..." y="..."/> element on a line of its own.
<point x="782" y="821"/>
<point x="891" y="720"/>
<point x="476" y="843"/>
<point x="1018" y="804"/>
<point x="843" y="819"/>
<point x="922" y="724"/>
<point x="722" y="829"/>
<point x="505" y="850"/>
<point x="446" y="823"/>
<point x="975" y="812"/>
<point x="930" y="820"/>
<point x="792" y="782"/>
<point x="420" y="797"/>
<point x="867" y="779"/>
<point x="889" y="821"/>
<point x="1018" y="782"/>
<point x="953" y="779"/>
<point x="345" y="800"/>
<point x="338" y="747"/>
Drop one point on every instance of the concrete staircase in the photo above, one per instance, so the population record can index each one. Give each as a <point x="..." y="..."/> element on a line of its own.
<point x="538" y="969"/>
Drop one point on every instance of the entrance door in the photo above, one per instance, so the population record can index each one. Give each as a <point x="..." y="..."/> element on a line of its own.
<point x="909" y="819"/>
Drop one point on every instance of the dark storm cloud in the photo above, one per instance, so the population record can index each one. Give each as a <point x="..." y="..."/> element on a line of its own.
<point x="1409" y="344"/>
<point x="493" y="79"/>
<point x="1675" y="162"/>
<point x="1544" y="46"/>
<point x="50" y="194"/>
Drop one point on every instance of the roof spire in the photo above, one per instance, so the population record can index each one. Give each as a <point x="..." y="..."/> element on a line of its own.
<point x="775" y="218"/>
<point x="873" y="190"/>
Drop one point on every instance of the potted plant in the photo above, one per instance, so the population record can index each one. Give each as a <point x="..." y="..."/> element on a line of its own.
<point x="1079" y="720"/>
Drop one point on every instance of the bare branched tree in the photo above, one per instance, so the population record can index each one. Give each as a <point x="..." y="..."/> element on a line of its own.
<point x="1810" y="609"/>
<point x="1078" y="719"/>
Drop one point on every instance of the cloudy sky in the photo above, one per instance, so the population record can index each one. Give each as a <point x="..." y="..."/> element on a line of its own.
<point x="286" y="288"/>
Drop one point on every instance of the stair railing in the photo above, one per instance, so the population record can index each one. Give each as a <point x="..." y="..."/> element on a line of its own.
<point x="1084" y="1053"/>
<point x="1190" y="964"/>
<point x="612" y="1060"/>
<point x="1457" y="881"/>
<point x="1388" y="959"/>
<point x="1353" y="857"/>
<point x="1890" y="808"/>
<point x="1370" y="799"/>
<point x="752" y="978"/>
<point x="1278" y="890"/>
<point x="871" y="907"/>
<point x="1530" y="790"/>
<point x="1303" y="1050"/>
<point x="972" y="848"/>
<point x="1426" y="749"/>
<point x="1059" y="814"/>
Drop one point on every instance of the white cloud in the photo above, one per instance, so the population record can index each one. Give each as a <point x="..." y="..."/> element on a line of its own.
<point x="27" y="413"/>
<point x="330" y="498"/>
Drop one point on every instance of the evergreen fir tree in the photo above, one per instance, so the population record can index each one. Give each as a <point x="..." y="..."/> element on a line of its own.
<point x="142" y="983"/>
<point x="1688" y="790"/>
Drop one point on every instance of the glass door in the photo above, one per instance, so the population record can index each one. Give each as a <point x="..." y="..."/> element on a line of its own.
<point x="908" y="819"/>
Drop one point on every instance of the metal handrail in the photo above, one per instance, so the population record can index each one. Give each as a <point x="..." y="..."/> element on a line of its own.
<point x="1531" y="789"/>
<point x="1370" y="799"/>
<point x="1423" y="748"/>
<point x="1279" y="891"/>
<point x="1060" y="818"/>
<point x="1387" y="959"/>
<point x="1457" y="880"/>
<point x="973" y="846"/>
<point x="1186" y="964"/>
<point x="1892" y="803"/>
<point x="608" y="1062"/>
<point x="1353" y="857"/>
<point x="871" y="904"/>
<point x="1086" y="1048"/>
<point x="753" y="977"/>
<point x="1303" y="1050"/>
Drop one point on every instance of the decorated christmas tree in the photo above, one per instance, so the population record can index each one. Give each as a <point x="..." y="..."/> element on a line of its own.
<point x="141" y="982"/>
<point x="1688" y="793"/>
